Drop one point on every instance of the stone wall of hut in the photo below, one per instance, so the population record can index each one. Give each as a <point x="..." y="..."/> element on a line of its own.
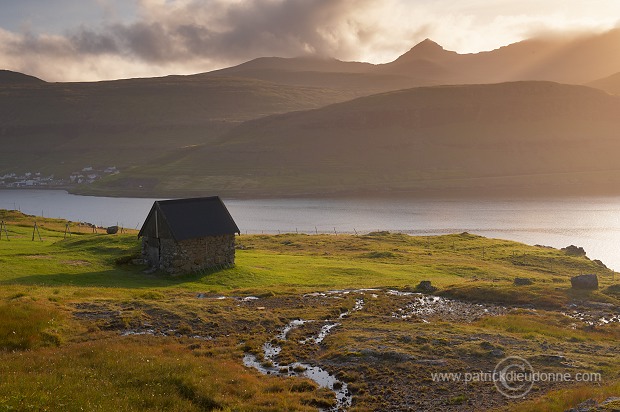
<point x="192" y="255"/>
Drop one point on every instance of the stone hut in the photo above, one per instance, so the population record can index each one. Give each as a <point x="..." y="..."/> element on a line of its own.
<point x="188" y="235"/>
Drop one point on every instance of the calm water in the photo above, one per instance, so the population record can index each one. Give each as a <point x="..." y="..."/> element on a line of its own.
<point x="593" y="223"/>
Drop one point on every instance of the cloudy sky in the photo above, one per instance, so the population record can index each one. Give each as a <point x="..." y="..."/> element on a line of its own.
<point x="77" y="40"/>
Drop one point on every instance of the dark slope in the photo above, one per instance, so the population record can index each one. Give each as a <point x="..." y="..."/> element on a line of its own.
<point x="8" y="77"/>
<point x="58" y="127"/>
<point x="524" y="137"/>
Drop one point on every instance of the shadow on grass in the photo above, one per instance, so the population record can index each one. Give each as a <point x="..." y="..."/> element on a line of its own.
<point x="121" y="277"/>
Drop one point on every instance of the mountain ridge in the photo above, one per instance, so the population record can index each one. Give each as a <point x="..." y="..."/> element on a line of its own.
<point x="572" y="60"/>
<point x="8" y="77"/>
<point x="428" y="63"/>
<point x="142" y="124"/>
<point x="610" y="84"/>
<point x="521" y="137"/>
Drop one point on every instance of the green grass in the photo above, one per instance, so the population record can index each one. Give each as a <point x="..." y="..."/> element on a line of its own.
<point x="26" y="326"/>
<point x="543" y="326"/>
<point x="285" y="263"/>
<point x="52" y="359"/>
<point x="139" y="374"/>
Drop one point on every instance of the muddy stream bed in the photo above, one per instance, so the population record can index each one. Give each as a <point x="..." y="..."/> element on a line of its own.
<point x="311" y="333"/>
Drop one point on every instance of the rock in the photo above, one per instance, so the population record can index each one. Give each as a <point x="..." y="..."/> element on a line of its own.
<point x="523" y="282"/>
<point x="573" y="250"/>
<point x="425" y="287"/>
<point x="433" y="362"/>
<point x="585" y="406"/>
<point x="600" y="263"/>
<point x="611" y="404"/>
<point x="112" y="230"/>
<point x="586" y="282"/>
<point x="552" y="359"/>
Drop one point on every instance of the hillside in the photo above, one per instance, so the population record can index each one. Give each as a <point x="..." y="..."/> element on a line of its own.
<point x="8" y="77"/>
<point x="63" y="127"/>
<point x="82" y="321"/>
<point x="524" y="137"/>
<point x="609" y="84"/>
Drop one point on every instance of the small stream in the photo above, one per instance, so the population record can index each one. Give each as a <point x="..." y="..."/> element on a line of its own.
<point x="323" y="378"/>
<point x="425" y="308"/>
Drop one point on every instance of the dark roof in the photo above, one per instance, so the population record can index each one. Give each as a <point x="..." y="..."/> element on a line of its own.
<point x="192" y="218"/>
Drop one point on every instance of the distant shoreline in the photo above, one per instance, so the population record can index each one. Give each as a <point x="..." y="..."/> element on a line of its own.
<point x="431" y="194"/>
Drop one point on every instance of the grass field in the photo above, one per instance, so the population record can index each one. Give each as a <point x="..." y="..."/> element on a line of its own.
<point x="64" y="301"/>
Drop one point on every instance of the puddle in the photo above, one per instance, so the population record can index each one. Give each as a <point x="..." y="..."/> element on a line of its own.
<point x="336" y="292"/>
<point x="399" y="293"/>
<point x="215" y="297"/>
<point x="136" y="332"/>
<point x="594" y="319"/>
<point x="425" y="307"/>
<point x="206" y="296"/>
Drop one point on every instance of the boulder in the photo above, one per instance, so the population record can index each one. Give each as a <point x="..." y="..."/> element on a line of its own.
<point x="573" y="250"/>
<point x="587" y="282"/>
<point x="112" y="230"/>
<point x="522" y="282"/>
<point x="600" y="263"/>
<point x="425" y="287"/>
<point x="585" y="406"/>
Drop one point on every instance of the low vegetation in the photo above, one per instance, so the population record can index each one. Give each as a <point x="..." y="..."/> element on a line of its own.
<point x="84" y="327"/>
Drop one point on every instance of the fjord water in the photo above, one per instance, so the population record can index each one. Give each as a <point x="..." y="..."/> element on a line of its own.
<point x="590" y="222"/>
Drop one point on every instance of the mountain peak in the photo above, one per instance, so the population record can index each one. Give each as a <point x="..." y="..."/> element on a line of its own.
<point x="427" y="46"/>
<point x="426" y="50"/>
<point x="428" y="43"/>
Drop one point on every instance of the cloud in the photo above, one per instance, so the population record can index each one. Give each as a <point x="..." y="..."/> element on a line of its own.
<point x="201" y="35"/>
<point x="189" y="36"/>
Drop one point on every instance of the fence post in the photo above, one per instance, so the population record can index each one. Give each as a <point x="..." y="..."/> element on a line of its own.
<point x="6" y="232"/>
<point x="36" y="229"/>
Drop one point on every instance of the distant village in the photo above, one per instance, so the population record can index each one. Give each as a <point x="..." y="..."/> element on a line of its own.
<point x="88" y="174"/>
